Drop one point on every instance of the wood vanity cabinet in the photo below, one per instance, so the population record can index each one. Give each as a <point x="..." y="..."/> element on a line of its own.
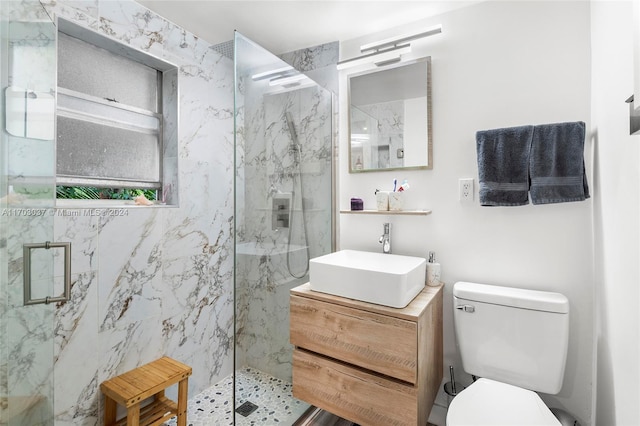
<point x="370" y="364"/>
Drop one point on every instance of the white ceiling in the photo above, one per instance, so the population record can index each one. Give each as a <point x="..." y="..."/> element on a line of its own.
<point x="284" y="26"/>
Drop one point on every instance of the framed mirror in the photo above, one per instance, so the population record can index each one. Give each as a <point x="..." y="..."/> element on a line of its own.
<point x="390" y="118"/>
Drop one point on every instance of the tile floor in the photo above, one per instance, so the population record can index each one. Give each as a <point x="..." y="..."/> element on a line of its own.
<point x="276" y="404"/>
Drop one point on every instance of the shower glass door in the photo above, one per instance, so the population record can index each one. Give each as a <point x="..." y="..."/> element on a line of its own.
<point x="27" y="196"/>
<point x="283" y="134"/>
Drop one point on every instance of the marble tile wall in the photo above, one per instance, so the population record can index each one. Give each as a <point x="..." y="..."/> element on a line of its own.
<point x="150" y="281"/>
<point x="318" y="63"/>
<point x="159" y="281"/>
<point x="271" y="260"/>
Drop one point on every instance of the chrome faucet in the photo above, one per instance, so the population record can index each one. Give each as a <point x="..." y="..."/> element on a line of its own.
<point x="385" y="238"/>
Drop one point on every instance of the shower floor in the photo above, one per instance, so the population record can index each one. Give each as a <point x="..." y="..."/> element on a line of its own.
<point x="276" y="404"/>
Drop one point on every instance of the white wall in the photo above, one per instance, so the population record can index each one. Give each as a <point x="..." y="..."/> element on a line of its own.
<point x="616" y="217"/>
<point x="496" y="64"/>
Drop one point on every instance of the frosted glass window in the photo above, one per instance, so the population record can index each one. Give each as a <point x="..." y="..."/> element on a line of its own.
<point x="110" y="112"/>
<point x="107" y="153"/>
<point x="89" y="69"/>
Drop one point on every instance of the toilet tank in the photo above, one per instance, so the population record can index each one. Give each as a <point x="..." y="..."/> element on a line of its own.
<point x="512" y="335"/>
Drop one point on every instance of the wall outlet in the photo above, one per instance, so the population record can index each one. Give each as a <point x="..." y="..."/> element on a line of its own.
<point x="465" y="190"/>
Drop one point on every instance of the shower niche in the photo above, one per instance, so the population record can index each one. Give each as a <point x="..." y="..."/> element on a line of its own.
<point x="117" y="115"/>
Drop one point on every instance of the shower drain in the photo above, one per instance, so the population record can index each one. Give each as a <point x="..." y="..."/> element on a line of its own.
<point x="246" y="408"/>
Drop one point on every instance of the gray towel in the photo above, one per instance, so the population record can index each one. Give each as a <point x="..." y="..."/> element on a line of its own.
<point x="503" y="165"/>
<point x="557" y="163"/>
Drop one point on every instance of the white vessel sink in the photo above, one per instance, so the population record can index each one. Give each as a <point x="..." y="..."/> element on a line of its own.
<point x="385" y="279"/>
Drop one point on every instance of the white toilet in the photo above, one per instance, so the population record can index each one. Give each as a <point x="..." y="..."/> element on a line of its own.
<point x="516" y="341"/>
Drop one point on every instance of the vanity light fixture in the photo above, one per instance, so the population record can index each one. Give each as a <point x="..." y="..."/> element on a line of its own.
<point x="383" y="57"/>
<point x="278" y="72"/>
<point x="287" y="81"/>
<point x="398" y="40"/>
<point x="285" y="77"/>
<point x="387" y="51"/>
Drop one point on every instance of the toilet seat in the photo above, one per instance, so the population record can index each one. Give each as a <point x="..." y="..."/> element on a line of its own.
<point x="491" y="403"/>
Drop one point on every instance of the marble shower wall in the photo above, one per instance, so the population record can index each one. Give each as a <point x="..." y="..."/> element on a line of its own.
<point x="318" y="63"/>
<point x="159" y="281"/>
<point x="153" y="281"/>
<point x="271" y="260"/>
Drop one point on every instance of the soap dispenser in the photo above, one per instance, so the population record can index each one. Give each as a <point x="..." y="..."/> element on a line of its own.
<point x="433" y="270"/>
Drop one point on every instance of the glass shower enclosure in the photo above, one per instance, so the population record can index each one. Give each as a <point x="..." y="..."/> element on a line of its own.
<point x="27" y="194"/>
<point x="283" y="139"/>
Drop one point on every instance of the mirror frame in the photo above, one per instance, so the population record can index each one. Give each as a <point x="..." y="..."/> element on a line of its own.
<point x="429" y="133"/>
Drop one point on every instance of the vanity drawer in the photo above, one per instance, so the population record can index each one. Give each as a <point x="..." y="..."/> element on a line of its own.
<point x="380" y="343"/>
<point x="353" y="393"/>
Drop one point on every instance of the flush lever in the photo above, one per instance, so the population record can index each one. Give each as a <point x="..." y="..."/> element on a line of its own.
<point x="466" y="308"/>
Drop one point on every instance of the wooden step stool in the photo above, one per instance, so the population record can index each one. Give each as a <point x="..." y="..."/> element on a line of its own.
<point x="133" y="387"/>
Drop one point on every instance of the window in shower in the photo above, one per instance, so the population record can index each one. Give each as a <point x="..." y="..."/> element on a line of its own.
<point x="116" y="119"/>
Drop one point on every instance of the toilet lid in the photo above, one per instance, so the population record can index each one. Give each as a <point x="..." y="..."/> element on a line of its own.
<point x="491" y="403"/>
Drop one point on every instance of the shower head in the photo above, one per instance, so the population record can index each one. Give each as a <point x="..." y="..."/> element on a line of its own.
<point x="224" y="48"/>
<point x="292" y="129"/>
<point x="295" y="145"/>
